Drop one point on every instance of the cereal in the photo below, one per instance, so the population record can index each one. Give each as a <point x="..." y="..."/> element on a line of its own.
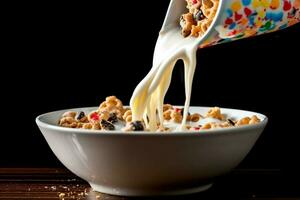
<point x="186" y="23"/>
<point x="112" y="104"/>
<point x="105" y="118"/>
<point x="104" y="115"/>
<point x="254" y="120"/>
<point x="243" y="121"/>
<point x="212" y="125"/>
<point x="195" y="117"/>
<point x="215" y="113"/>
<point x="96" y="126"/>
<point x="167" y="107"/>
<point x="79" y="125"/>
<point x="215" y="125"/>
<point x="188" y="127"/>
<point x="206" y="126"/>
<point x="127" y="116"/>
<point x="163" y="129"/>
<point x="225" y="124"/>
<point x="68" y="122"/>
<point x="176" y="116"/>
<point x="199" y="17"/>
<point x="87" y="126"/>
<point x="167" y="114"/>
<point x="69" y="114"/>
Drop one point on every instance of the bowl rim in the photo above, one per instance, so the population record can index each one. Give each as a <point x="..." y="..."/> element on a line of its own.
<point x="207" y="132"/>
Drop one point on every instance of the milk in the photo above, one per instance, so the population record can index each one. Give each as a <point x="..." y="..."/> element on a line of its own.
<point x="149" y="95"/>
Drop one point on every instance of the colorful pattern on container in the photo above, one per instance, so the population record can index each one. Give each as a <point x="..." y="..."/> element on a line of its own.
<point x="246" y="18"/>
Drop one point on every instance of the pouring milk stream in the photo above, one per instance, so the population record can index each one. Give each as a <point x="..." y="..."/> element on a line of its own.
<point x="148" y="97"/>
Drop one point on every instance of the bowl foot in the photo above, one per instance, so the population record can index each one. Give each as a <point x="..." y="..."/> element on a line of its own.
<point x="141" y="192"/>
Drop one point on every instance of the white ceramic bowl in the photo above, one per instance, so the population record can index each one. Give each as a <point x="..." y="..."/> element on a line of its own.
<point x="143" y="163"/>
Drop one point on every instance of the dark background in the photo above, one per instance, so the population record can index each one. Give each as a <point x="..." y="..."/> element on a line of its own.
<point x="64" y="56"/>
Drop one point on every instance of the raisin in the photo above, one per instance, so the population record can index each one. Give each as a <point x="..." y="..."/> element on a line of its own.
<point x="112" y="118"/>
<point x="198" y="16"/>
<point x="230" y="122"/>
<point x="185" y="33"/>
<point x="137" y="126"/>
<point x="80" y="115"/>
<point x="106" y="125"/>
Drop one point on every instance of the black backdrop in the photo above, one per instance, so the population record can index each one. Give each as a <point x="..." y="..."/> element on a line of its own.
<point x="63" y="56"/>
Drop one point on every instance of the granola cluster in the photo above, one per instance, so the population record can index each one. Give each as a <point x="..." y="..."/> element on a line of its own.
<point x="199" y="17"/>
<point x="112" y="115"/>
<point x="176" y="114"/>
<point x="109" y="112"/>
<point x="225" y="123"/>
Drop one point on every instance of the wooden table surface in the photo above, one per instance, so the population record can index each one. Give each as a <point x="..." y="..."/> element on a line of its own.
<point x="54" y="183"/>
